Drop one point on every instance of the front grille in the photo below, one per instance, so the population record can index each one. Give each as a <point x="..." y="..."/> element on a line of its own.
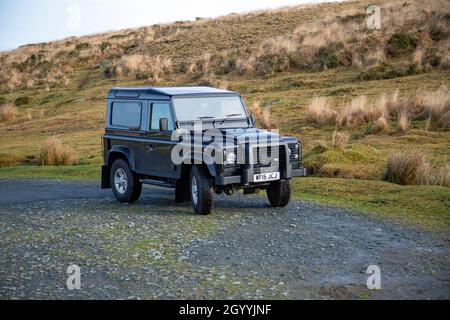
<point x="264" y="156"/>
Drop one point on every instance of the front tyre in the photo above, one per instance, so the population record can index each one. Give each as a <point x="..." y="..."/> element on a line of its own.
<point x="200" y="189"/>
<point x="279" y="193"/>
<point x="125" y="184"/>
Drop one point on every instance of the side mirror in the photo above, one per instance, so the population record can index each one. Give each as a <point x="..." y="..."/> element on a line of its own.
<point x="163" y="124"/>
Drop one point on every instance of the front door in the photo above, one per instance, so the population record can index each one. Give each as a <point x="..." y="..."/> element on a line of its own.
<point x="158" y="147"/>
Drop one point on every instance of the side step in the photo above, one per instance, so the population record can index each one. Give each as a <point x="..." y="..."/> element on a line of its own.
<point x="158" y="183"/>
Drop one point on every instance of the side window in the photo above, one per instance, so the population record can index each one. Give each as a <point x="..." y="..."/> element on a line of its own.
<point x="126" y="114"/>
<point x="161" y="110"/>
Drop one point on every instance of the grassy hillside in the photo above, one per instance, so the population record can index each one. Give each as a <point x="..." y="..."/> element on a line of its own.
<point x="353" y="96"/>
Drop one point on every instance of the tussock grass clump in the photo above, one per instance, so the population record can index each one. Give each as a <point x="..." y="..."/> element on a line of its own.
<point x="403" y="122"/>
<point x="8" y="160"/>
<point x="414" y="169"/>
<point x="429" y="175"/>
<point x="53" y="153"/>
<point x="436" y="105"/>
<point x="381" y="126"/>
<point x="402" y="167"/>
<point x="339" y="140"/>
<point x="320" y="111"/>
<point x="8" y="112"/>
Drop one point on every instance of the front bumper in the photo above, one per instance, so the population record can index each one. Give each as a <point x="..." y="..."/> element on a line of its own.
<point x="247" y="176"/>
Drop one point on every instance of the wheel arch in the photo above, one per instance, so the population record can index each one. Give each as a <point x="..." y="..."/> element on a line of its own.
<point x="122" y="152"/>
<point x="192" y="159"/>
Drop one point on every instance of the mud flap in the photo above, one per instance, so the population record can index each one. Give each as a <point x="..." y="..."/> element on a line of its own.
<point x="182" y="192"/>
<point x="106" y="183"/>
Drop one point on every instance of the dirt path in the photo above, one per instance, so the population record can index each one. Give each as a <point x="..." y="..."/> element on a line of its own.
<point x="245" y="249"/>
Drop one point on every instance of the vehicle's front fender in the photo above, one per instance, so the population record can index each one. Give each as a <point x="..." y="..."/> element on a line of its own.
<point x="198" y="158"/>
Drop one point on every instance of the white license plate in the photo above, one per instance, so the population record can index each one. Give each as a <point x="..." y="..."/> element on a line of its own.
<point x="269" y="176"/>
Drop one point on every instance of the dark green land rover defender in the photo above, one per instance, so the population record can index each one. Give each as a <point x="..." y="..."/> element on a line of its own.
<point x="198" y="140"/>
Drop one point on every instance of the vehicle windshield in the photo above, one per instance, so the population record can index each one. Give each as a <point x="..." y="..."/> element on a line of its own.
<point x="208" y="108"/>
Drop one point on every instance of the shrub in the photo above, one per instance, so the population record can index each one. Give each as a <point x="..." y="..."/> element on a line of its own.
<point x="107" y="69"/>
<point x="22" y="100"/>
<point x="8" y="112"/>
<point x="104" y="46"/>
<point x="271" y="63"/>
<point x="402" y="167"/>
<point x="339" y="140"/>
<point x="53" y="153"/>
<point x="320" y="112"/>
<point x="82" y="46"/>
<point x="401" y="43"/>
<point x="388" y="71"/>
<point x="326" y="57"/>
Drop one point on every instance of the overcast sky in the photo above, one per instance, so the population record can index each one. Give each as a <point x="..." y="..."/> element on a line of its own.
<point x="33" y="21"/>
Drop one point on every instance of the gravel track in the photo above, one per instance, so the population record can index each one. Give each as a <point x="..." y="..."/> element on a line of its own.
<point x="154" y="249"/>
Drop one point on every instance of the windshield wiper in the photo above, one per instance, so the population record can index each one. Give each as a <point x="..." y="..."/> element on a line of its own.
<point x="205" y="117"/>
<point x="228" y="116"/>
<point x="233" y="115"/>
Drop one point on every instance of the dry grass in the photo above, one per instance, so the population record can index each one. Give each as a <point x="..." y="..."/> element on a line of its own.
<point x="381" y="126"/>
<point x="320" y="111"/>
<point x="139" y="66"/>
<point x="413" y="169"/>
<point x="54" y="153"/>
<point x="430" y="175"/>
<point x="8" y="112"/>
<point x="436" y="105"/>
<point x="421" y="105"/>
<point x="339" y="140"/>
<point x="403" y="122"/>
<point x="402" y="168"/>
<point x="361" y="110"/>
<point x="261" y="115"/>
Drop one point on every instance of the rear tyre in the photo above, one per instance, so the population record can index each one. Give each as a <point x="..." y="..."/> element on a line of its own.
<point x="279" y="193"/>
<point x="125" y="184"/>
<point x="200" y="191"/>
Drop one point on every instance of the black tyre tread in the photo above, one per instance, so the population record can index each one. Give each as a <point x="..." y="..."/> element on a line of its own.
<point x="135" y="186"/>
<point x="205" y="196"/>
<point x="279" y="193"/>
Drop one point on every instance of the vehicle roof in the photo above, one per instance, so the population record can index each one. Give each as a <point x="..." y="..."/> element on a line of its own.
<point x="162" y="92"/>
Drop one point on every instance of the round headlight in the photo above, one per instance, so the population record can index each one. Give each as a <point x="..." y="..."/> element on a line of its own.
<point x="230" y="158"/>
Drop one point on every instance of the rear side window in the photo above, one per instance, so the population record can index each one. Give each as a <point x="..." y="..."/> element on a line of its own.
<point x="126" y="114"/>
<point x="161" y="110"/>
